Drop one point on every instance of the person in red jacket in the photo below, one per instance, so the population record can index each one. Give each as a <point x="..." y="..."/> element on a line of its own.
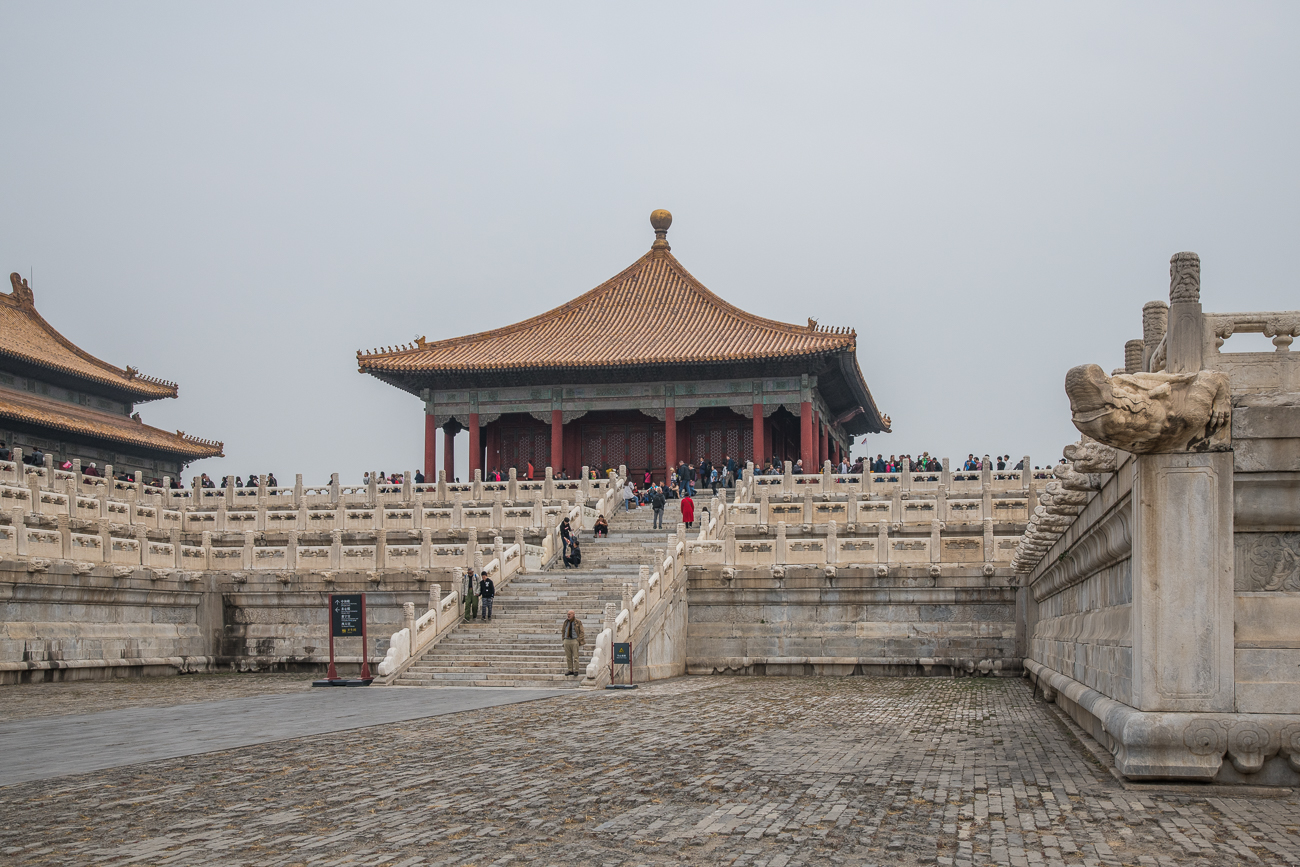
<point x="688" y="510"/>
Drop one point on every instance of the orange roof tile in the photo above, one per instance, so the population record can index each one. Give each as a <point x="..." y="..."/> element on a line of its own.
<point x="26" y="336"/>
<point x="81" y="421"/>
<point x="652" y="313"/>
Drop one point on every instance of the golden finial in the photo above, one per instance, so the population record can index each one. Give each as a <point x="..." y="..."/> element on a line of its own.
<point x="660" y="220"/>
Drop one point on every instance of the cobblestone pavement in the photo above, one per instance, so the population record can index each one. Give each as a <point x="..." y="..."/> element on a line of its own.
<point x="34" y="700"/>
<point x="743" y="771"/>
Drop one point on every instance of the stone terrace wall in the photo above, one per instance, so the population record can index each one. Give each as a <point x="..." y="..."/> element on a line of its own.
<point x="1163" y="587"/>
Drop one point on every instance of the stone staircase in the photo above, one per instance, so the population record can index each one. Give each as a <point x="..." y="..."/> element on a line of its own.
<point x="521" y="646"/>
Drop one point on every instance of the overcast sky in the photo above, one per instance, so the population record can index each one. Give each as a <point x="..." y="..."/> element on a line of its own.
<point x="238" y="197"/>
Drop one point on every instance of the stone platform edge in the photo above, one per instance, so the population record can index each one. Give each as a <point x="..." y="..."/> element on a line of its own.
<point x="1259" y="749"/>
<point x="842" y="666"/>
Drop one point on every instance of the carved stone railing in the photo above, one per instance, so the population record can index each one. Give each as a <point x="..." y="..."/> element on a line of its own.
<point x="789" y="483"/>
<point x="415" y="533"/>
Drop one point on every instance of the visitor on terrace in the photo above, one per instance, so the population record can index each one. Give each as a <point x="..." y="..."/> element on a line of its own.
<point x="629" y="495"/>
<point x="419" y="477"/>
<point x="601" y="528"/>
<point x="688" y="510"/>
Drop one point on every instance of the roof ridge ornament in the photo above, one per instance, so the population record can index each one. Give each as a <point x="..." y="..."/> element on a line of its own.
<point x="23" y="292"/>
<point x="661" y="220"/>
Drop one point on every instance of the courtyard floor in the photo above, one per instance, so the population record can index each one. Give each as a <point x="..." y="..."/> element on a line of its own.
<point x="738" y="771"/>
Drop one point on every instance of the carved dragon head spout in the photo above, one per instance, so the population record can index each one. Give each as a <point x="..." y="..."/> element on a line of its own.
<point x="1150" y="413"/>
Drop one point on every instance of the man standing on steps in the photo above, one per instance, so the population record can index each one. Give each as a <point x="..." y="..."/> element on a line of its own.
<point x="657" y="503"/>
<point x="573" y="636"/>
<point x="488" y="591"/>
<point x="471" y="595"/>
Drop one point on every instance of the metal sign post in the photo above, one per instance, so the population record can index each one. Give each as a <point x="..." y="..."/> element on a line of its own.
<point x="347" y="614"/>
<point x="621" y="655"/>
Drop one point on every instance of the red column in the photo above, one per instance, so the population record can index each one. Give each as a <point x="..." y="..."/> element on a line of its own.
<point x="670" y="439"/>
<point x="449" y="454"/>
<point x="557" y="441"/>
<point x="757" y="456"/>
<point x="807" y="443"/>
<point x="475" y="446"/>
<point x="430" y="448"/>
<point x="823" y="444"/>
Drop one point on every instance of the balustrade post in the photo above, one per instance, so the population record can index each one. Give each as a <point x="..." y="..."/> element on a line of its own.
<point x="142" y="544"/>
<point x="297" y="490"/>
<point x="34" y="491"/>
<point x="476" y="487"/>
<point x="336" y="549"/>
<point x="828" y="478"/>
<point x="986" y="474"/>
<point x="408" y="622"/>
<point x="435" y="596"/>
<point x="303" y="517"/>
<point x="905" y="476"/>
<point x="832" y="544"/>
<point x="406" y="487"/>
<point x="441" y="492"/>
<point x="457" y="514"/>
<point x="986" y="501"/>
<point x="989" y="553"/>
<point x="250" y="553"/>
<point x="381" y="548"/>
<point x="519" y="541"/>
<point x="179" y="557"/>
<point x="787" y="478"/>
<point x="498" y="513"/>
<point x="765" y="500"/>
<point x="936" y="551"/>
<point x="334" y="488"/>
<point x="372" y="490"/>
<point x="291" y="551"/>
<point x="865" y="483"/>
<point x="512" y="485"/>
<point x="548" y="484"/>
<point x="499" y="554"/>
<point x="808" y="516"/>
<point x="896" y="505"/>
<point x="782" y="545"/>
<point x="105" y="540"/>
<point x="882" y="542"/>
<point x="205" y="540"/>
<point x="946" y="477"/>
<point x="584" y="482"/>
<point x="65" y="536"/>
<point x="941" y="503"/>
<point x="426" y="548"/>
<point x="629" y="590"/>
<point x="729" y="545"/>
<point x="1027" y="474"/>
<point x="471" y="548"/>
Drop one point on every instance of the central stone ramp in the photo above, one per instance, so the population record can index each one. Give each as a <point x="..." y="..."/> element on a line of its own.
<point x="521" y="646"/>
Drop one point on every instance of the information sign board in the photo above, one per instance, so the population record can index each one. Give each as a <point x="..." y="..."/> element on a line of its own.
<point x="345" y="615"/>
<point x="622" y="654"/>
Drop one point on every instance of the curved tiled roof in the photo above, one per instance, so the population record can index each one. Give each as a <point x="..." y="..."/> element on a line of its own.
<point x="78" y="420"/>
<point x="653" y="313"/>
<point x="25" y="335"/>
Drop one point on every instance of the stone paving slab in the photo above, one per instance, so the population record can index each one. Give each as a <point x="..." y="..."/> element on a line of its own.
<point x="77" y="744"/>
<point x="754" y="772"/>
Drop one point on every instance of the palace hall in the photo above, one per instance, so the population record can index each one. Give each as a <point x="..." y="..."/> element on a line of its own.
<point x="60" y="399"/>
<point x="647" y="370"/>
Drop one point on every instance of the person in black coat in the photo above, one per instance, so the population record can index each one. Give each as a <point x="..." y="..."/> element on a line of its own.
<point x="487" y="591"/>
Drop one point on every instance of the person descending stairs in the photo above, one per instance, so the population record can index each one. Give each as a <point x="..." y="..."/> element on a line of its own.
<point x="521" y="644"/>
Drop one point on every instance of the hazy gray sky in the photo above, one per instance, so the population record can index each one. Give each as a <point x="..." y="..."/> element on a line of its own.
<point x="239" y="196"/>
